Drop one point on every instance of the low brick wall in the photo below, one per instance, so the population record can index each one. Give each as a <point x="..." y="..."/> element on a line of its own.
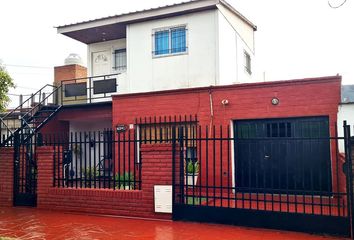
<point x="7" y="176"/>
<point x="156" y="170"/>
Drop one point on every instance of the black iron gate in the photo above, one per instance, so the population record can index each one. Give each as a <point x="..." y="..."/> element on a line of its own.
<point x="25" y="170"/>
<point x="310" y="190"/>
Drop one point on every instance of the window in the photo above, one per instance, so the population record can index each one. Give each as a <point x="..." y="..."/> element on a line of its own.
<point x="120" y="60"/>
<point x="170" y="41"/>
<point x="248" y="63"/>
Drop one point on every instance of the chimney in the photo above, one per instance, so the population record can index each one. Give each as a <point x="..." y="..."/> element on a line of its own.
<point x="72" y="69"/>
<point x="70" y="73"/>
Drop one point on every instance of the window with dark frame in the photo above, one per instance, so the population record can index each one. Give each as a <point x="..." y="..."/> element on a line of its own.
<point x="120" y="60"/>
<point x="170" y="41"/>
<point x="247" y="62"/>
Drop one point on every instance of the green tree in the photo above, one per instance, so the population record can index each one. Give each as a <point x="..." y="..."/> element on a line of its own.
<point x="6" y="82"/>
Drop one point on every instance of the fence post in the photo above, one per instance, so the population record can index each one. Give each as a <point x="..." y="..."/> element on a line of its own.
<point x="173" y="165"/>
<point x="181" y="162"/>
<point x="349" y="175"/>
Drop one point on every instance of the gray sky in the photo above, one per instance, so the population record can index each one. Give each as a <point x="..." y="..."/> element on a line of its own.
<point x="295" y="39"/>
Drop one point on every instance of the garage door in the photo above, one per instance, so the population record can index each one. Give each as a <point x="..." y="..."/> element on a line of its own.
<point x="289" y="154"/>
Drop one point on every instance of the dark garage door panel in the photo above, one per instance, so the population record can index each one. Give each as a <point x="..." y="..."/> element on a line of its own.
<point x="283" y="154"/>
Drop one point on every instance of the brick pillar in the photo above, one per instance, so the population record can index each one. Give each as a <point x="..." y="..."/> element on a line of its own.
<point x="45" y="158"/>
<point x="156" y="170"/>
<point x="7" y="176"/>
<point x="68" y="72"/>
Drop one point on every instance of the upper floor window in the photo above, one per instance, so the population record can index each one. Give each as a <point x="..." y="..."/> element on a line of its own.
<point x="248" y="62"/>
<point x="120" y="59"/>
<point x="170" y="41"/>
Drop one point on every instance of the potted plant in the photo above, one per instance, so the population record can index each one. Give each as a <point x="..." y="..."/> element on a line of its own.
<point x="125" y="181"/>
<point x="192" y="171"/>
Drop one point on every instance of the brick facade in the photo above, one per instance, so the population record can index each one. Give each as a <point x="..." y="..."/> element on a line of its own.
<point x="7" y="177"/>
<point x="156" y="170"/>
<point x="297" y="98"/>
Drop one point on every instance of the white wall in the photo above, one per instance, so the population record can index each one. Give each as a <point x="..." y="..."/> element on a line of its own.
<point x="227" y="45"/>
<point x="195" y="68"/>
<point x="231" y="48"/>
<point x="96" y="152"/>
<point x="345" y="112"/>
<point x="215" y="53"/>
<point x="107" y="48"/>
<point x="245" y="31"/>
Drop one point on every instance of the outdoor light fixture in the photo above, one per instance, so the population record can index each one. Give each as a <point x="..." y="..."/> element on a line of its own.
<point x="275" y="101"/>
<point x="225" y="102"/>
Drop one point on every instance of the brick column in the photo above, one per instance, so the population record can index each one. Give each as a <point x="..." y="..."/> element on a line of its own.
<point x="45" y="157"/>
<point x="156" y="170"/>
<point x="7" y="176"/>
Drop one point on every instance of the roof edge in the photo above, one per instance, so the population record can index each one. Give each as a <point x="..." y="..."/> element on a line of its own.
<point x="299" y="81"/>
<point x="232" y="9"/>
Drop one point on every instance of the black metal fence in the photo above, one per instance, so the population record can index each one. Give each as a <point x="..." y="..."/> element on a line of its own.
<point x="288" y="182"/>
<point x="109" y="159"/>
<point x="102" y="159"/>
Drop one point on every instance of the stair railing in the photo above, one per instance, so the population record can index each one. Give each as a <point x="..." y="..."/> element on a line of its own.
<point x="20" y="109"/>
<point x="27" y="110"/>
<point x="29" y="114"/>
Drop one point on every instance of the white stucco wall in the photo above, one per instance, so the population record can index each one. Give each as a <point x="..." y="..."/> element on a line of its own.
<point x="227" y="52"/>
<point x="244" y="30"/>
<point x="96" y="152"/>
<point x="106" y="48"/>
<point x="215" y="54"/>
<point x="345" y="112"/>
<point x="231" y="59"/>
<point x="195" y="68"/>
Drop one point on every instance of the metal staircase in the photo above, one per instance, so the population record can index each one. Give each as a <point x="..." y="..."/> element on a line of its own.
<point x="30" y="116"/>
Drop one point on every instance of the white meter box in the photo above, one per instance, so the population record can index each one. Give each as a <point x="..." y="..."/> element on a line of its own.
<point x="163" y="198"/>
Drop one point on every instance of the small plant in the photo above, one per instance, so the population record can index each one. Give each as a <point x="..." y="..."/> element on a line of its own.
<point x="192" y="167"/>
<point x="124" y="181"/>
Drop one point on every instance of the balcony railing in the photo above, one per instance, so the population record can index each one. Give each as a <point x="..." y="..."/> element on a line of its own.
<point x="88" y="90"/>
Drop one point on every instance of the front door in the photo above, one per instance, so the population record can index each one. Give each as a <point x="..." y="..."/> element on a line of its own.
<point x="290" y="154"/>
<point x="101" y="63"/>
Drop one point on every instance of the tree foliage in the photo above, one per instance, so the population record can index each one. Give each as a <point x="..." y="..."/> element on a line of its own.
<point x="6" y="82"/>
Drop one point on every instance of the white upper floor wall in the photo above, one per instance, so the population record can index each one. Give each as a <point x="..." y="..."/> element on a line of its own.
<point x="218" y="44"/>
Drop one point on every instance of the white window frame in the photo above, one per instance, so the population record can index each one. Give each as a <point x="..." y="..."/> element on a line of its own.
<point x="154" y="31"/>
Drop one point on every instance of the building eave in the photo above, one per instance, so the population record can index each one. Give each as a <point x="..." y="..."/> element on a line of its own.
<point x="101" y="29"/>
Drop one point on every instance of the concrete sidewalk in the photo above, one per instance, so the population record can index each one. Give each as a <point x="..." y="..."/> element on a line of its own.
<point x="30" y="223"/>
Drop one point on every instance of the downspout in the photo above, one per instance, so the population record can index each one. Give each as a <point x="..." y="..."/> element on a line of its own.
<point x="211" y="110"/>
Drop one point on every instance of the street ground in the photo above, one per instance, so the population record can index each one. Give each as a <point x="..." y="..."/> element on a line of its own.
<point x="31" y="223"/>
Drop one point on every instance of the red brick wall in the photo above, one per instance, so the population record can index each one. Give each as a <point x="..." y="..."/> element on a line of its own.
<point x="60" y="123"/>
<point x="298" y="98"/>
<point x="7" y="177"/>
<point x="156" y="170"/>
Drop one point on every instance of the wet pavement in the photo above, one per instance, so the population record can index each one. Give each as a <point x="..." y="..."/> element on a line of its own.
<point x="30" y="223"/>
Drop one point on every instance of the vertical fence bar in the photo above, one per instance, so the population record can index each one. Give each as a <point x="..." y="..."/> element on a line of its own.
<point x="349" y="175"/>
<point x="221" y="163"/>
<point x="181" y="159"/>
<point x="207" y="164"/>
<point x="173" y="166"/>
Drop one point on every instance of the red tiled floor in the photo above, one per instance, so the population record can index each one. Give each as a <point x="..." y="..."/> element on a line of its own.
<point x="30" y="223"/>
